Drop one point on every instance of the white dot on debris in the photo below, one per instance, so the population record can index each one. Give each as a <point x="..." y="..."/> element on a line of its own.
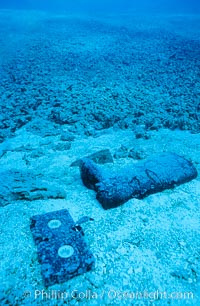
<point x="65" y="251"/>
<point x="54" y="223"/>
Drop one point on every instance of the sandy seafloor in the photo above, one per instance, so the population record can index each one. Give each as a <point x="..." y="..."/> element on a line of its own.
<point x="71" y="86"/>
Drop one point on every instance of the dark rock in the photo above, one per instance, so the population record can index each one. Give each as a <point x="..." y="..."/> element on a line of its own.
<point x="156" y="174"/>
<point x="43" y="127"/>
<point x="181" y="273"/>
<point x="137" y="154"/>
<point x="62" y="146"/>
<point x="128" y="122"/>
<point x="105" y="120"/>
<point x="100" y="157"/>
<point x="140" y="132"/>
<point x="122" y="152"/>
<point x="66" y="136"/>
<point x="89" y="131"/>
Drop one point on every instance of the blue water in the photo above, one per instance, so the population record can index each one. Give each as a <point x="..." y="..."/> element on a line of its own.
<point x="161" y="6"/>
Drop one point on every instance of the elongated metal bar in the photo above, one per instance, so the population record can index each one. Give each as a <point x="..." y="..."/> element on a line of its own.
<point x="156" y="174"/>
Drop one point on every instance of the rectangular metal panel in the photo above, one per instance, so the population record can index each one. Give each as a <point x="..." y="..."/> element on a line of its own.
<point x="62" y="252"/>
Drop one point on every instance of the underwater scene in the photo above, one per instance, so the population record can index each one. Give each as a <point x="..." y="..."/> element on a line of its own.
<point x="99" y="152"/>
